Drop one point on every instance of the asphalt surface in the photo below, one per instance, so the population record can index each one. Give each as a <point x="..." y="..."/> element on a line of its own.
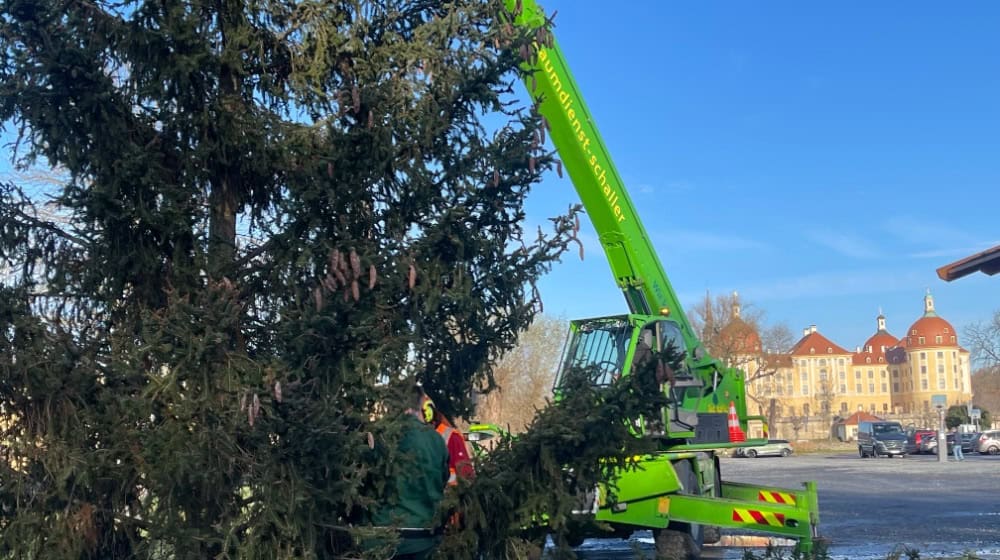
<point x="871" y="507"/>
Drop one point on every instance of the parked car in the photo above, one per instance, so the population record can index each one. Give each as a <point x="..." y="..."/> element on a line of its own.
<point x="928" y="444"/>
<point x="876" y="439"/>
<point x="916" y="437"/>
<point x="967" y="440"/>
<point x="773" y="447"/>
<point x="988" y="442"/>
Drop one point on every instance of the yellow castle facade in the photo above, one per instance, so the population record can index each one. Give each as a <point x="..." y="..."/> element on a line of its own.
<point x="888" y="375"/>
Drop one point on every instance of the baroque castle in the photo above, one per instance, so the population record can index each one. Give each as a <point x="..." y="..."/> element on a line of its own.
<point x="821" y="380"/>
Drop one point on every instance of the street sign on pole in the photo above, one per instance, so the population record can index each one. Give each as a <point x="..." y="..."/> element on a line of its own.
<point x="939" y="401"/>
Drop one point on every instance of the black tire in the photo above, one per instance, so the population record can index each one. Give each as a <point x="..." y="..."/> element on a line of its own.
<point x="861" y="452"/>
<point x="752" y="453"/>
<point x="993" y="450"/>
<point x="681" y="541"/>
<point x="785" y="452"/>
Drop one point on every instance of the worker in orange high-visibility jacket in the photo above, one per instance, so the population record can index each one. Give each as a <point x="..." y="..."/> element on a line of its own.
<point x="459" y="459"/>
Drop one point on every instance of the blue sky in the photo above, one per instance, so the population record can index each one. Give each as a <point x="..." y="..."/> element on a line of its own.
<point x="822" y="159"/>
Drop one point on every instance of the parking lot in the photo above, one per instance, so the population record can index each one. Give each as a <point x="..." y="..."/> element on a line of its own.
<point x="873" y="505"/>
<point x="868" y="507"/>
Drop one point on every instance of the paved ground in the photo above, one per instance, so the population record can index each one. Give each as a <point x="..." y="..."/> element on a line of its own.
<point x="870" y="506"/>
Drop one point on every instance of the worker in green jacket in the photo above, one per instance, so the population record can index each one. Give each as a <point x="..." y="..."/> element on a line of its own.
<point x="419" y="490"/>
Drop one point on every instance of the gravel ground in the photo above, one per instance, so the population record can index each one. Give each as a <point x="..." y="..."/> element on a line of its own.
<point x="868" y="507"/>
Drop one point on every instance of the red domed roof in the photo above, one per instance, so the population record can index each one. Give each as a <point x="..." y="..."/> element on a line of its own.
<point x="873" y="352"/>
<point x="739" y="337"/>
<point x="927" y="329"/>
<point x="879" y="341"/>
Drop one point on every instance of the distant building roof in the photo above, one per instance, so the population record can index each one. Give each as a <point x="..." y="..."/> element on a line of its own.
<point x="859" y="416"/>
<point x="987" y="262"/>
<point x="814" y="343"/>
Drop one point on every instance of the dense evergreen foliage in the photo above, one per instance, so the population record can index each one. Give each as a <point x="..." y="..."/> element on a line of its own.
<point x="274" y="214"/>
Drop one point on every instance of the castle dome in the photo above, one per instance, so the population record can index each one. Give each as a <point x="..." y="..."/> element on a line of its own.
<point x="930" y="330"/>
<point x="874" y="349"/>
<point x="738" y="336"/>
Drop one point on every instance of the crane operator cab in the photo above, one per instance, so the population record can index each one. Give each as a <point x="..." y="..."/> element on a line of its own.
<point x="609" y="348"/>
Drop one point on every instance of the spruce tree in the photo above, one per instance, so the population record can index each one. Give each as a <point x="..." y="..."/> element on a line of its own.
<point x="278" y="214"/>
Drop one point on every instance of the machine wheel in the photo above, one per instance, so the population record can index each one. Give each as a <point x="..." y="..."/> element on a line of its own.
<point x="681" y="541"/>
<point x="785" y="453"/>
<point x="752" y="453"/>
<point x="861" y="452"/>
<point x="993" y="450"/>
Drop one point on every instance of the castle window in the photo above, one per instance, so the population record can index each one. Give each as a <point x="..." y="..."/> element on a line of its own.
<point x="920" y="340"/>
<point x="938" y="339"/>
<point x="946" y="330"/>
<point x="953" y="340"/>
<point x="868" y="360"/>
<point x="829" y="350"/>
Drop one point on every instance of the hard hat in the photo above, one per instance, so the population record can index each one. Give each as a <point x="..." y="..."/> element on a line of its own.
<point x="427" y="409"/>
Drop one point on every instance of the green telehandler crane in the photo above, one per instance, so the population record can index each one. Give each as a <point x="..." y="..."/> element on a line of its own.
<point x="678" y="492"/>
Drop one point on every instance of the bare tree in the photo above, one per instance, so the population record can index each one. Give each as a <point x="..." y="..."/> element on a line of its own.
<point x="825" y="397"/>
<point x="983" y="339"/>
<point x="986" y="388"/>
<point x="525" y="375"/>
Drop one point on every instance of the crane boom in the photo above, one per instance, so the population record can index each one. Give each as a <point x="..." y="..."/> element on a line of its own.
<point x="677" y="490"/>
<point x="634" y="262"/>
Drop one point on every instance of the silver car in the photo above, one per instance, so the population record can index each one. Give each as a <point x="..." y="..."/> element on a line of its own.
<point x="773" y="447"/>
<point x="988" y="442"/>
